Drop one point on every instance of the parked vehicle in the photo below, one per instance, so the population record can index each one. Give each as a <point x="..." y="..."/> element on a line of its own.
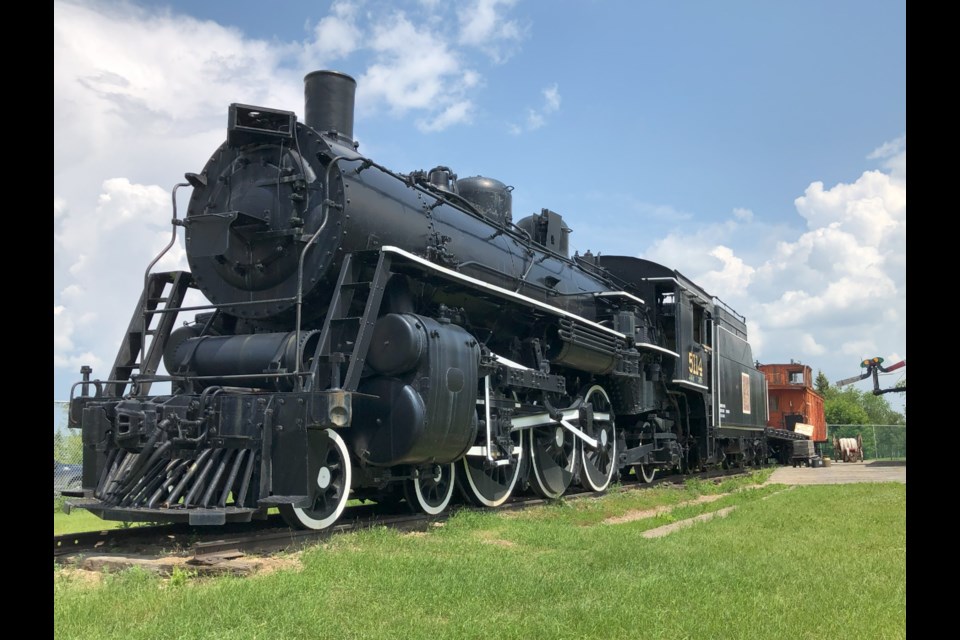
<point x="66" y="475"/>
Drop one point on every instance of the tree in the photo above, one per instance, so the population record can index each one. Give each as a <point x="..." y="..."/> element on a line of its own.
<point x="844" y="406"/>
<point x="903" y="385"/>
<point x="849" y="405"/>
<point x="879" y="411"/>
<point x="821" y="384"/>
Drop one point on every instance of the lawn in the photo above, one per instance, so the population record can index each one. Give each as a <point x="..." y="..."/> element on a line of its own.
<point x="780" y="564"/>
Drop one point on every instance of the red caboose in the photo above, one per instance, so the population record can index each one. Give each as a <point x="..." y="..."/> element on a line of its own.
<point x="794" y="405"/>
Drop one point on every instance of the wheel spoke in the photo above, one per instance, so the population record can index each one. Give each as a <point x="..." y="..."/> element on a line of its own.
<point x="490" y="482"/>
<point x="490" y="485"/>
<point x="599" y="463"/>
<point x="645" y="472"/>
<point x="431" y="488"/>
<point x="553" y="460"/>
<point x="330" y="484"/>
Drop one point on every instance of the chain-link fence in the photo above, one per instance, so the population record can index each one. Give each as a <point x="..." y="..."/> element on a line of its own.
<point x="880" y="441"/>
<point x="67" y="451"/>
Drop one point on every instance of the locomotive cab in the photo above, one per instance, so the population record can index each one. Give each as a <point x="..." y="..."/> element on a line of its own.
<point x="713" y="376"/>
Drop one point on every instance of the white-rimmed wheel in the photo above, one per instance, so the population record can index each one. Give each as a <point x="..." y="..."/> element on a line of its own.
<point x="331" y="472"/>
<point x="554" y="456"/>
<point x="598" y="464"/>
<point x="489" y="483"/>
<point x="645" y="472"/>
<point x="431" y="488"/>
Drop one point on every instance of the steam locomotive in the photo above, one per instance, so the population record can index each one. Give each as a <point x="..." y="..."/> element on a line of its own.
<point x="374" y="335"/>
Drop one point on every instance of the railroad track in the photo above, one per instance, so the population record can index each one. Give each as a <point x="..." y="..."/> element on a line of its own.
<point x="272" y="535"/>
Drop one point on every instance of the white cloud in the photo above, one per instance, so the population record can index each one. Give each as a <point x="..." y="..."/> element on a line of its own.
<point x="873" y="209"/>
<point x="408" y="77"/>
<point x="458" y="112"/>
<point x="732" y="274"/>
<point x="100" y="255"/>
<point x="891" y="148"/>
<point x="140" y="97"/>
<point x="62" y="330"/>
<point x="835" y="293"/>
<point x="551" y="97"/>
<point x="537" y="118"/>
<point x="809" y="346"/>
<point x="64" y="355"/>
<point x="696" y="254"/>
<point x="484" y="25"/>
<point x="418" y="61"/>
<point x="120" y="69"/>
<point x="337" y="35"/>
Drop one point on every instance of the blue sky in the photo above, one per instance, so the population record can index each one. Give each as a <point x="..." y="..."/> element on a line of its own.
<point x="757" y="147"/>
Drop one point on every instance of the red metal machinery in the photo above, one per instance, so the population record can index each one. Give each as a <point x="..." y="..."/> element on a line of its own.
<point x="794" y="406"/>
<point x="793" y="400"/>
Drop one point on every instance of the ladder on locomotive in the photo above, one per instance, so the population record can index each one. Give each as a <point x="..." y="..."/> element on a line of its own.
<point x="148" y="331"/>
<point x="348" y="326"/>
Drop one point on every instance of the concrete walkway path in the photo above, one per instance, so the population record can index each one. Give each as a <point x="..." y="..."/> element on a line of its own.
<point x="843" y="473"/>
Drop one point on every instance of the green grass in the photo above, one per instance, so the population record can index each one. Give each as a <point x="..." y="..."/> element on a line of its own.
<point x="81" y="520"/>
<point x="782" y="564"/>
<point x="78" y="521"/>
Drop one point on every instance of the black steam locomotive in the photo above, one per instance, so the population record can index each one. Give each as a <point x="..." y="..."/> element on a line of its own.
<point x="383" y="336"/>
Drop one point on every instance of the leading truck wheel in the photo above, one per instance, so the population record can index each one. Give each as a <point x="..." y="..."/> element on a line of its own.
<point x="599" y="463"/>
<point x="430" y="489"/>
<point x="645" y="472"/>
<point x="331" y="472"/>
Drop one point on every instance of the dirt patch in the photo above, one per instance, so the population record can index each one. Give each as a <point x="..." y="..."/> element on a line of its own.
<point x="93" y="568"/>
<point x="488" y="537"/>
<point x="631" y="516"/>
<point x="501" y="543"/>
<point x="667" y="529"/>
<point x="267" y="565"/>
<point x="81" y="576"/>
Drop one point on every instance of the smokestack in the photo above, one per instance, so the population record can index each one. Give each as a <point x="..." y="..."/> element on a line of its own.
<point x="328" y="102"/>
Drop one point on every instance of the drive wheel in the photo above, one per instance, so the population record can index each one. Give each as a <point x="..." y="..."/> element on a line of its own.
<point x="598" y="464"/>
<point x="554" y="457"/>
<point x="331" y="472"/>
<point x="489" y="484"/>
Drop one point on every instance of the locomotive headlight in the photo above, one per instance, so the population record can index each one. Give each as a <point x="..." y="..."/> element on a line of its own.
<point x="339" y="409"/>
<point x="339" y="416"/>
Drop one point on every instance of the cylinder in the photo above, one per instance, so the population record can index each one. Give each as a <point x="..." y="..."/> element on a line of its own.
<point x="328" y="102"/>
<point x="397" y="345"/>
<point x="421" y="405"/>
